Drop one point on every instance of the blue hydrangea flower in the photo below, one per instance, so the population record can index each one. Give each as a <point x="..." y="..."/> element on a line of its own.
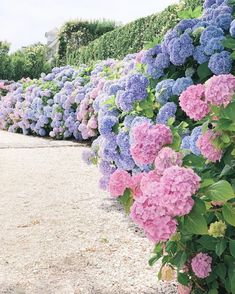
<point x="185" y="24"/>
<point x="196" y="132"/>
<point x="210" y="33"/>
<point x="185" y="144"/>
<point x="127" y="121"/>
<point x="113" y="89"/>
<point x="214" y="45"/>
<point x="154" y="72"/>
<point x="109" y="148"/>
<point x="125" y="162"/>
<point x="137" y="84"/>
<point x="162" y="61"/>
<point x="106" y="123"/>
<point x="181" y="85"/>
<point x="139" y="120"/>
<point x="87" y="156"/>
<point x="164" y="90"/>
<point x="123" y="142"/>
<point x="232" y="28"/>
<point x="124" y="100"/>
<point x="199" y="55"/>
<point x="150" y="55"/>
<point x="169" y="39"/>
<point x="182" y="48"/>
<point x="166" y="111"/>
<point x="220" y="63"/>
<point x="208" y="3"/>
<point x="106" y="168"/>
<point x="224" y="21"/>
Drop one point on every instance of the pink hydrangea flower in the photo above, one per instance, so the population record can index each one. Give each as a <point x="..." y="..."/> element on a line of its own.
<point x="178" y="185"/>
<point x="139" y="56"/>
<point x="166" y="158"/>
<point x="220" y="89"/>
<point x="149" y="183"/>
<point x="208" y="150"/>
<point x="184" y="289"/>
<point x="92" y="123"/>
<point x="153" y="219"/>
<point x="120" y="180"/>
<point x="135" y="185"/>
<point x="161" y="229"/>
<point x="192" y="101"/>
<point x="201" y="265"/>
<point x="147" y="141"/>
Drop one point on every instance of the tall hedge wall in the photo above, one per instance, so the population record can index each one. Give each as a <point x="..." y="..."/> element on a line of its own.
<point x="77" y="33"/>
<point x="131" y="37"/>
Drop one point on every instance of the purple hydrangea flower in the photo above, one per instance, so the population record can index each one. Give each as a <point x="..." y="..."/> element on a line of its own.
<point x="106" y="124"/>
<point x="181" y="85"/>
<point x="220" y="63"/>
<point x="164" y="90"/>
<point x="181" y="49"/>
<point x="214" y="46"/>
<point x="166" y="111"/>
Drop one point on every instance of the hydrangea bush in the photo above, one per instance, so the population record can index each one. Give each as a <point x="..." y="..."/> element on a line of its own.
<point x="162" y="125"/>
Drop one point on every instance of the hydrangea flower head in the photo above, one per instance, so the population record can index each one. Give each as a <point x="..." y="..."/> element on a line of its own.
<point x="220" y="89"/>
<point x="206" y="147"/>
<point x="178" y="185"/>
<point x="164" y="90"/>
<point x="166" y="158"/>
<point x="201" y="265"/>
<point x="120" y="180"/>
<point x="220" y="63"/>
<point x="181" y="85"/>
<point x="165" y="112"/>
<point x="192" y="102"/>
<point x="147" y="141"/>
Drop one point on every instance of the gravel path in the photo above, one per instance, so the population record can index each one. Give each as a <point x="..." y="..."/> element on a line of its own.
<point x="59" y="233"/>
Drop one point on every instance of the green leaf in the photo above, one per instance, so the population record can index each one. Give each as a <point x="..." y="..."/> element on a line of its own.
<point x="207" y="182"/>
<point x="158" y="248"/>
<point x="233" y="55"/>
<point x="229" y="42"/>
<point x="179" y="259"/>
<point x="126" y="200"/>
<point x="232" y="247"/>
<point x="154" y="259"/>
<point x="220" y="191"/>
<point x="213" y="291"/>
<point x="228" y="212"/>
<point x="183" y="279"/>
<point x="231" y="275"/>
<point x="220" y="247"/>
<point x="203" y="71"/>
<point x="192" y="160"/>
<point x="221" y="271"/>
<point x="195" y="222"/>
<point x="171" y="247"/>
<point x="208" y="242"/>
<point x="228" y="112"/>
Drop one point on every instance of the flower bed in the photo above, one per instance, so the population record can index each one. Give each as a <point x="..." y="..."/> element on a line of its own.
<point x="163" y="126"/>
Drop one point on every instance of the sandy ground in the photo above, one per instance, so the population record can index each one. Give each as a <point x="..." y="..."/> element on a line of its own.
<point x="59" y="233"/>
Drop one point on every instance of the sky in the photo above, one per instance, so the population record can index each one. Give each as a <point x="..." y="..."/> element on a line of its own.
<point x="24" y="22"/>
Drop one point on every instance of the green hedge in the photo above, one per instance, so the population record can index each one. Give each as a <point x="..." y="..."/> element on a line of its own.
<point x="132" y="37"/>
<point x="77" y="33"/>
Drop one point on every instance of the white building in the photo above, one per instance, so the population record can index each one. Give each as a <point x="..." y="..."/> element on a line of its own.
<point x="52" y="42"/>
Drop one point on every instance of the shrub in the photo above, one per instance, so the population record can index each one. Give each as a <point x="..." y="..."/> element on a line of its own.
<point x="132" y="37"/>
<point x="77" y="33"/>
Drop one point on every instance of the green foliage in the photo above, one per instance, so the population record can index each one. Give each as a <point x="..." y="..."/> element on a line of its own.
<point x="133" y="37"/>
<point x="30" y="62"/>
<point x="75" y="34"/>
<point x="5" y="64"/>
